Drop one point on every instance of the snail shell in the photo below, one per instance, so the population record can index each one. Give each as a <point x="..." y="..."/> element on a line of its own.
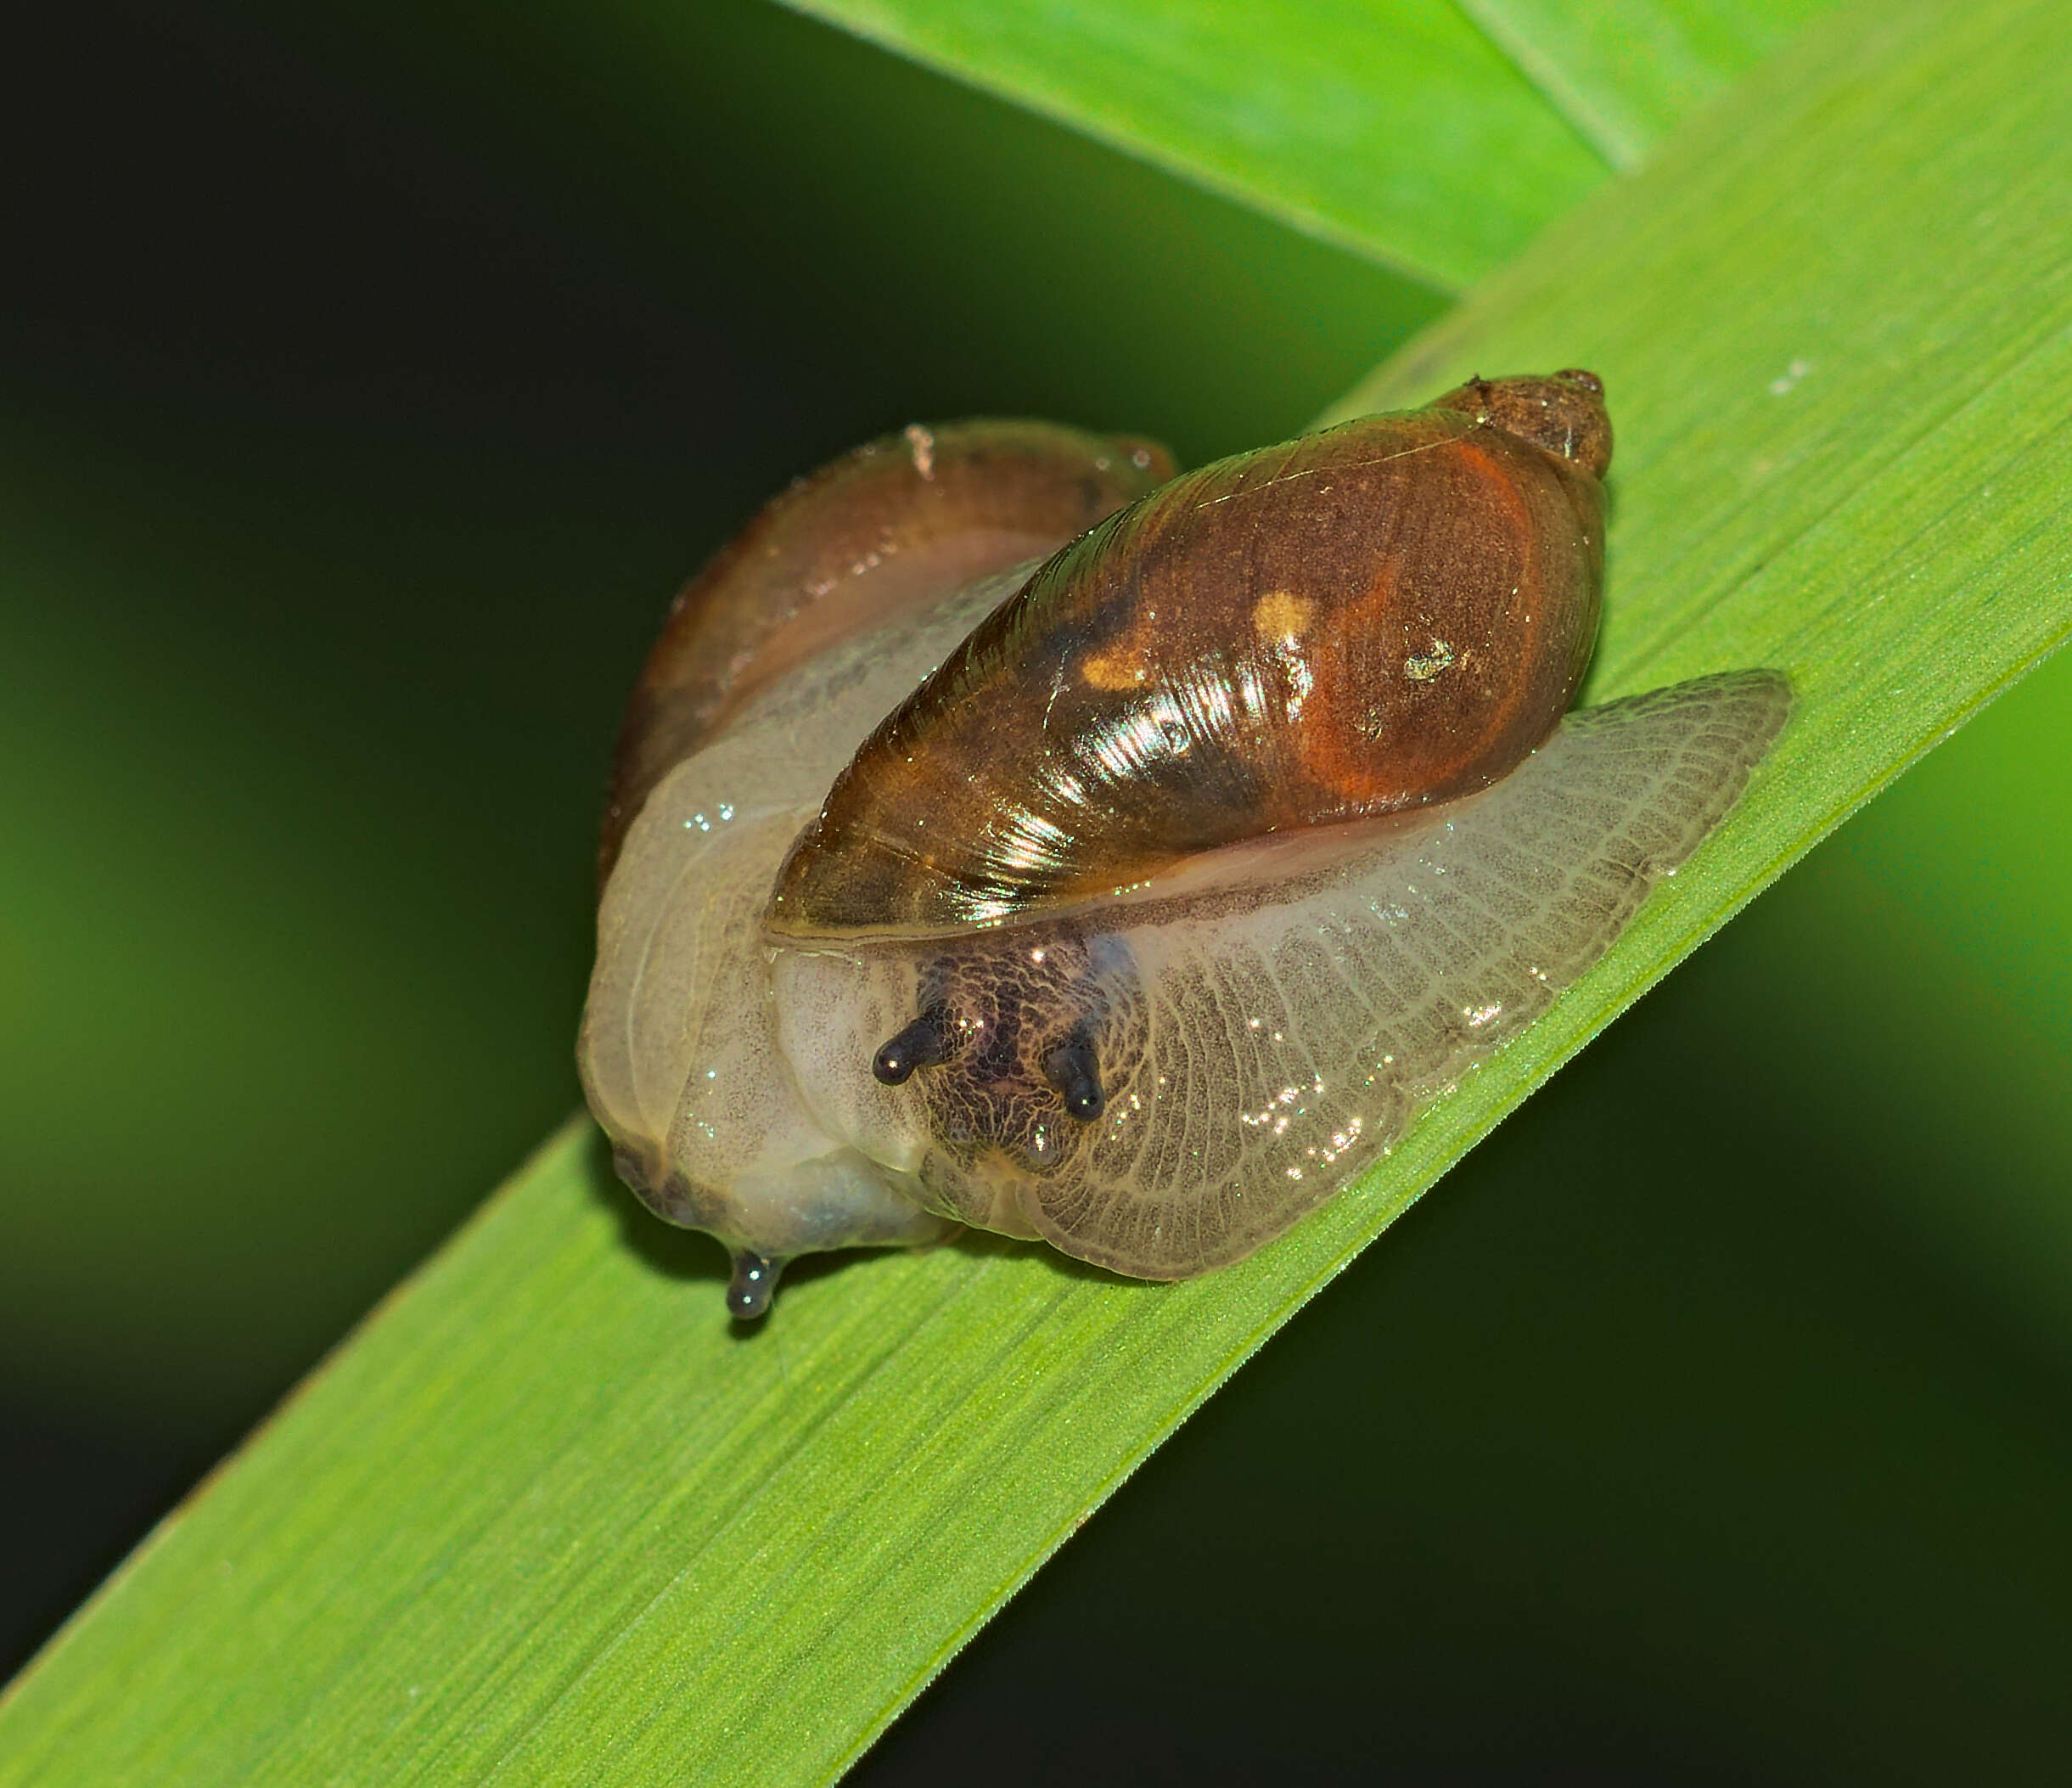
<point x="893" y="524"/>
<point x="1170" y="877"/>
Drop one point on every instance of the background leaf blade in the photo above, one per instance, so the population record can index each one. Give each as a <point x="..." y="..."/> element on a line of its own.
<point x="1400" y="130"/>
<point x="1625" y="73"/>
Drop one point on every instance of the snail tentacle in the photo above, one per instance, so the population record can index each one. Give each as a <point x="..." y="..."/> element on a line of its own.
<point x="751" y="1285"/>
<point x="925" y="1043"/>
<point x="1074" y="1073"/>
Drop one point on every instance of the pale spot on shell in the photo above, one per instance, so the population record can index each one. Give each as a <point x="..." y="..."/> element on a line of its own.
<point x="923" y="444"/>
<point x="1423" y="666"/>
<point x="1281" y="616"/>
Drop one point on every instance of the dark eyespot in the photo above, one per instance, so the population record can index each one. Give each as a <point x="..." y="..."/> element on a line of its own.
<point x="1074" y="1072"/>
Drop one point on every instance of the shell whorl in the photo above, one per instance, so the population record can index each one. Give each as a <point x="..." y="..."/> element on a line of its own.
<point x="893" y="523"/>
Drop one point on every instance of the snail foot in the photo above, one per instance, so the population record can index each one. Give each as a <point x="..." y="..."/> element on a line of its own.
<point x="1075" y="1073"/>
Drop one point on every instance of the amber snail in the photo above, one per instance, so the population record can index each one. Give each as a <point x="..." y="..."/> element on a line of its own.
<point x="1173" y="874"/>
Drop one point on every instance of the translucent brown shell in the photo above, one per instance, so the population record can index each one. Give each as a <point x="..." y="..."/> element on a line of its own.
<point x="1378" y="617"/>
<point x="892" y="524"/>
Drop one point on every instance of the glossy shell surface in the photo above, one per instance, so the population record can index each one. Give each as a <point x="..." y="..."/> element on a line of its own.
<point x="1386" y="614"/>
<point x="893" y="524"/>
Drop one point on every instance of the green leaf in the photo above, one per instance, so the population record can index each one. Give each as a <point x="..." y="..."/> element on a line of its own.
<point x="1625" y="72"/>
<point x="1438" y="139"/>
<point x="546" y="1518"/>
<point x="1399" y="129"/>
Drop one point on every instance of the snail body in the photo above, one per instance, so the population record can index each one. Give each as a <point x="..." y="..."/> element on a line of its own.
<point x="1171" y="875"/>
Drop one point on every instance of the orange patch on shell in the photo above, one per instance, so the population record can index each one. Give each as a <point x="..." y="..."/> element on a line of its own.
<point x="1368" y="741"/>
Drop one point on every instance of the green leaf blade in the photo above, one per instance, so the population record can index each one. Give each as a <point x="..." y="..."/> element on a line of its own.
<point x="1400" y="130"/>
<point x="1626" y="72"/>
<point x="547" y="1518"/>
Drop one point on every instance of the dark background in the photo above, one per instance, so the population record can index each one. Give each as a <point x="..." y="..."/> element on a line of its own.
<point x="368" y="382"/>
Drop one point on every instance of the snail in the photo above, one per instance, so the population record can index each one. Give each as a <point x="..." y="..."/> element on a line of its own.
<point x="1008" y="833"/>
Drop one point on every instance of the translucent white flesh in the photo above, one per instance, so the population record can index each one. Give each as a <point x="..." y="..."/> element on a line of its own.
<point x="1261" y="1036"/>
<point x="679" y="1050"/>
<point x="1261" y="1045"/>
